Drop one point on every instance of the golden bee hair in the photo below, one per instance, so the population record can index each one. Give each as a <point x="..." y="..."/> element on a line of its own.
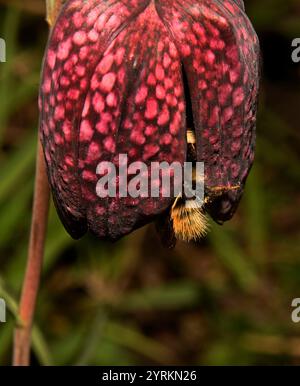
<point x="189" y="223"/>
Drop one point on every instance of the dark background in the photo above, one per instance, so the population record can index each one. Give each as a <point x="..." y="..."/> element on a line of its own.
<point x="225" y="300"/>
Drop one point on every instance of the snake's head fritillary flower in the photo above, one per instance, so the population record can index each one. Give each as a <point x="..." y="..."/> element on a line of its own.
<point x="132" y="77"/>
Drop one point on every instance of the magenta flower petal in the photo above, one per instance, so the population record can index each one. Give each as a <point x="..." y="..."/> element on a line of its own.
<point x="114" y="82"/>
<point x="219" y="50"/>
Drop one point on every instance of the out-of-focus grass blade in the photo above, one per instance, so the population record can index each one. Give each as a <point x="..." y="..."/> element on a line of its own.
<point x="6" y="333"/>
<point x="36" y="6"/>
<point x="255" y="218"/>
<point x="233" y="258"/>
<point x="266" y="146"/>
<point x="11" y="215"/>
<point x="40" y="348"/>
<point x="57" y="241"/>
<point x="94" y="337"/>
<point x="64" y="349"/>
<point x="9" y="33"/>
<point x="22" y="94"/>
<point x="278" y="345"/>
<point x="109" y="353"/>
<point x="134" y="340"/>
<point x="38" y="343"/>
<point x="15" y="168"/>
<point x="171" y="296"/>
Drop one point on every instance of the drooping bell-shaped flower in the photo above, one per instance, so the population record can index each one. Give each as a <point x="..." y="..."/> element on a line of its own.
<point x="132" y="77"/>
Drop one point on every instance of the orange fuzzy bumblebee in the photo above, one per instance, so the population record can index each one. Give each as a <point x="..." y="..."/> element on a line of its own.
<point x="188" y="223"/>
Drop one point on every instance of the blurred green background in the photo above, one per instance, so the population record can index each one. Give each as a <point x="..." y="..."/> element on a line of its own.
<point x="226" y="300"/>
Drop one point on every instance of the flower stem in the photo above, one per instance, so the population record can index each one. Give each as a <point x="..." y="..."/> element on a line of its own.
<point x="22" y="339"/>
